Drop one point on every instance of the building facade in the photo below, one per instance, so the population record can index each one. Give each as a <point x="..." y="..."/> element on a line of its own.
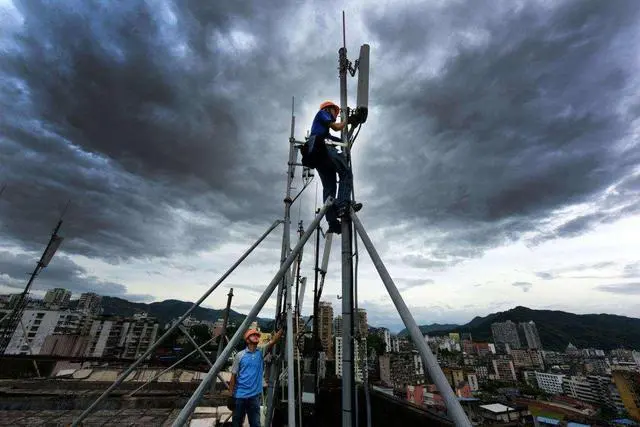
<point x="550" y="383"/>
<point x="90" y="303"/>
<point x="527" y="359"/>
<point x="359" y="359"/>
<point x="363" y="328"/>
<point x="530" y="332"/>
<point x="36" y="325"/>
<point x="504" y="370"/>
<point x="400" y="369"/>
<point x="337" y="327"/>
<point x="506" y="333"/>
<point x="325" y="328"/>
<point x="57" y="297"/>
<point x="119" y="337"/>
<point x="65" y="345"/>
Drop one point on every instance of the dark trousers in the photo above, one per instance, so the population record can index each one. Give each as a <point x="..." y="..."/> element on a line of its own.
<point x="330" y="165"/>
<point x="249" y="406"/>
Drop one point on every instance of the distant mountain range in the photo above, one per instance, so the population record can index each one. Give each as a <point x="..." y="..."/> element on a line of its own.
<point x="434" y="327"/>
<point x="167" y="310"/>
<point x="556" y="328"/>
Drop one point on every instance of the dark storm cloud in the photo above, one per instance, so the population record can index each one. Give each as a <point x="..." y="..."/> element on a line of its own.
<point x="528" y="113"/>
<point x="621" y="288"/>
<point x="525" y="286"/>
<point x="145" y="116"/>
<point x="62" y="272"/>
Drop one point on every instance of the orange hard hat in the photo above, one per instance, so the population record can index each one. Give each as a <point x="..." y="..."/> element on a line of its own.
<point x="250" y="332"/>
<point x="329" y="104"/>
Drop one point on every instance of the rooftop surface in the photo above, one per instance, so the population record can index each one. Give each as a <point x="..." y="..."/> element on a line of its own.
<point x="497" y="408"/>
<point x="203" y="416"/>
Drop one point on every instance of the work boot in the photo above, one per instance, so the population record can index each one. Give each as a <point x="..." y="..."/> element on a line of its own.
<point x="335" y="228"/>
<point x="342" y="210"/>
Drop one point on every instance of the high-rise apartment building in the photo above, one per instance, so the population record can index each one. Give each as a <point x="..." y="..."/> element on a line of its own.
<point x="325" y="328"/>
<point x="506" y="333"/>
<point x="550" y="383"/>
<point x="527" y="358"/>
<point x="363" y="327"/>
<point x="395" y="344"/>
<point x="90" y="303"/>
<point x="337" y="326"/>
<point x="386" y="337"/>
<point x="58" y="297"/>
<point x="36" y="325"/>
<point x="359" y="356"/>
<point x="531" y="335"/>
<point x="119" y="337"/>
<point x="504" y="370"/>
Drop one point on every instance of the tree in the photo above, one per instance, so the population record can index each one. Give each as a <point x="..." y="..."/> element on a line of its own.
<point x="376" y="342"/>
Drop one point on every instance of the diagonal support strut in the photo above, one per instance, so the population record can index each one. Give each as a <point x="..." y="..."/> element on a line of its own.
<point x="428" y="359"/>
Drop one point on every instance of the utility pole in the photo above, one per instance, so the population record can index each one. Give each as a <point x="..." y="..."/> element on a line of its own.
<point x="16" y="315"/>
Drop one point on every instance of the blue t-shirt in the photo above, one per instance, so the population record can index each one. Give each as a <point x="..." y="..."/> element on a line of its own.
<point x="320" y="125"/>
<point x="248" y="369"/>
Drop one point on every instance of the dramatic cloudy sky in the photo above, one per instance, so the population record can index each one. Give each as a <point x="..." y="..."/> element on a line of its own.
<point x="500" y="165"/>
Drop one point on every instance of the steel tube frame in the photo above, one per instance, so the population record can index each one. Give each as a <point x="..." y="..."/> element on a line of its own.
<point x="195" y="344"/>
<point x="135" y="364"/>
<point x="428" y="359"/>
<point x="199" y="350"/>
<point x="188" y="409"/>
<point x="274" y="370"/>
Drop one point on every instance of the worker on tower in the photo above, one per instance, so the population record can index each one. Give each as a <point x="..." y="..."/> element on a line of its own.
<point x="246" y="378"/>
<point x="328" y="162"/>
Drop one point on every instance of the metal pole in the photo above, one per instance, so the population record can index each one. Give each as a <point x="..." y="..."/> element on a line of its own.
<point x="170" y="367"/>
<point x="197" y="395"/>
<point x="325" y="262"/>
<point x="347" y="324"/>
<point x="274" y="370"/>
<point x="428" y="359"/>
<point x="224" y="322"/>
<point x="130" y="369"/>
<point x="291" y="396"/>
<point x="16" y="315"/>
<point x="347" y="266"/>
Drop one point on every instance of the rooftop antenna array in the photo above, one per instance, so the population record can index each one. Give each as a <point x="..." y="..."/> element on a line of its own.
<point x="12" y="322"/>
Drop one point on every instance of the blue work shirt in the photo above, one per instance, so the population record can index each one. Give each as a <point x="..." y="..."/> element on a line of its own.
<point x="320" y="126"/>
<point x="248" y="369"/>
